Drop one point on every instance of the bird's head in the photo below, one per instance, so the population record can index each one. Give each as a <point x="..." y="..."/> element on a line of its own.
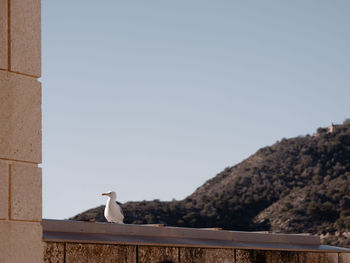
<point x="110" y="194"/>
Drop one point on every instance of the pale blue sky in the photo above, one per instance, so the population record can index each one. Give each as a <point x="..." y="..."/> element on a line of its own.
<point x="152" y="98"/>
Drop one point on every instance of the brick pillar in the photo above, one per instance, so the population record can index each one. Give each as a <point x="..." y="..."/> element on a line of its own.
<point x="20" y="131"/>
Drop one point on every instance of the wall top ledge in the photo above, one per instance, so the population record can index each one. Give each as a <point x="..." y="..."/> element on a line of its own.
<point x="108" y="233"/>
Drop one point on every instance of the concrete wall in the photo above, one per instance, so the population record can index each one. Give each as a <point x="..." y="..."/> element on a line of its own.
<point x="76" y="241"/>
<point x="92" y="253"/>
<point x="20" y="131"/>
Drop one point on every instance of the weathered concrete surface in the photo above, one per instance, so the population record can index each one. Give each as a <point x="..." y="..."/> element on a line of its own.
<point x="193" y="255"/>
<point x="148" y="254"/>
<point x="281" y="256"/>
<point x="20" y="132"/>
<point x="25" y="43"/>
<point x="208" y="255"/>
<point x="25" y="192"/>
<point x="3" y="34"/>
<point x="252" y="256"/>
<point x="126" y="254"/>
<point x="53" y="252"/>
<point x="106" y="253"/>
<point x="344" y="257"/>
<point x="91" y="253"/>
<point x="20" y="242"/>
<point x="219" y="255"/>
<point x="4" y="189"/>
<point x="318" y="257"/>
<point x="20" y="118"/>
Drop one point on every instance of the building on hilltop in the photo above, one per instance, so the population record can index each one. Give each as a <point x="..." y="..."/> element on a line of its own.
<point x="346" y="121"/>
<point x="333" y="127"/>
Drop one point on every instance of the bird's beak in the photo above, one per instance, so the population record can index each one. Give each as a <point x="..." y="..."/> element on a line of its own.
<point x="104" y="194"/>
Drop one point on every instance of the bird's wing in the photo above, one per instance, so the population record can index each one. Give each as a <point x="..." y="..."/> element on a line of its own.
<point x="116" y="210"/>
<point x="120" y="209"/>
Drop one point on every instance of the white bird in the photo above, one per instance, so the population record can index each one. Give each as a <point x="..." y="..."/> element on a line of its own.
<point x="113" y="212"/>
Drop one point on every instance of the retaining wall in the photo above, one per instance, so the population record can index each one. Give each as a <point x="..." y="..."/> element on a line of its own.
<point x="69" y="241"/>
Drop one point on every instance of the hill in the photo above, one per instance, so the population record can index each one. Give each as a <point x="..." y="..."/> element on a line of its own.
<point x="297" y="185"/>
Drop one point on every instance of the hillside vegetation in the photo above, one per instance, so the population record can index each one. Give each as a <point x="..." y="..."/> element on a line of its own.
<point x="297" y="185"/>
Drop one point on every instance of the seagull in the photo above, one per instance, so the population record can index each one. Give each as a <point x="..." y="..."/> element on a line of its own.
<point x="113" y="212"/>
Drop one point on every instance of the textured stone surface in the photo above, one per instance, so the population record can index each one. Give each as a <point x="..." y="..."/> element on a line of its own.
<point x="208" y="255"/>
<point x="193" y="255"/>
<point x="25" y="35"/>
<point x="25" y="192"/>
<point x="3" y="34"/>
<point x="20" y="242"/>
<point x="4" y="190"/>
<point x="158" y="254"/>
<point x="281" y="256"/>
<point x="344" y="257"/>
<point x="90" y="253"/>
<point x="20" y="118"/>
<point x="318" y="257"/>
<point x="53" y="252"/>
<point x="252" y="256"/>
<point x="219" y="255"/>
<point x="126" y="254"/>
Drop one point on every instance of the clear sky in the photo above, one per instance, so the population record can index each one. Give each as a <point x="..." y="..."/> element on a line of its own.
<point x="153" y="98"/>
